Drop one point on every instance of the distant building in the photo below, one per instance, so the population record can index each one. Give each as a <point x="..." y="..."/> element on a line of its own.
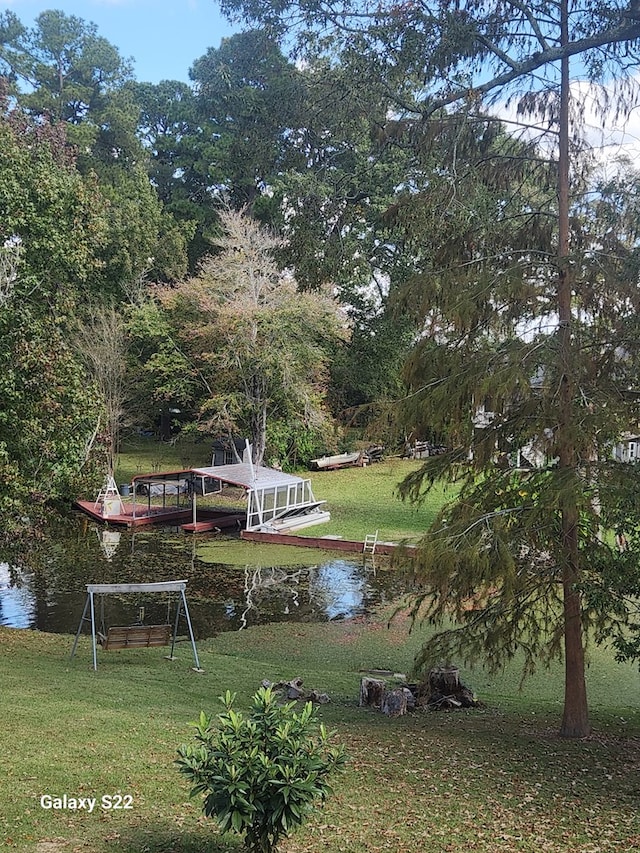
<point x="627" y="449"/>
<point x="222" y="451"/>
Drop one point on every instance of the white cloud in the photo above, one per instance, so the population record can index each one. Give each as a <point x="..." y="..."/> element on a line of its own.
<point x="609" y="135"/>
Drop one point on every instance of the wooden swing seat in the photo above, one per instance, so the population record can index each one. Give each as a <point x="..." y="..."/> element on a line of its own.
<point x="135" y="637"/>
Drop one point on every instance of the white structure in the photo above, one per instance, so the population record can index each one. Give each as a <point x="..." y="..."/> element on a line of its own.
<point x="276" y="502"/>
<point x="109" y="501"/>
<point x="627" y="449"/>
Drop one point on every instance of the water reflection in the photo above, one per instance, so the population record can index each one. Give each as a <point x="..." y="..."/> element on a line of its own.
<point x="43" y="587"/>
<point x="16" y="603"/>
<point x="340" y="588"/>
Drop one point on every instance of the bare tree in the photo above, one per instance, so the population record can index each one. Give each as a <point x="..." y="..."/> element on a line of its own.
<point x="102" y="342"/>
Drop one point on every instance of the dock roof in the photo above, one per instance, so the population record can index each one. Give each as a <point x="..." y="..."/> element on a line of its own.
<point x="249" y="476"/>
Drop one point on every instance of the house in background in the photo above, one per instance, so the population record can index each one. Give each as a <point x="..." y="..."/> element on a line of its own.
<point x="222" y="451"/>
<point x="627" y="449"/>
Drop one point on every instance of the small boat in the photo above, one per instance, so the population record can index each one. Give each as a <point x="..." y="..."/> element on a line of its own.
<point x="340" y="460"/>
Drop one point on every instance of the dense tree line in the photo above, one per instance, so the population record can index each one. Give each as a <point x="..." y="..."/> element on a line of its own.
<point x="215" y="227"/>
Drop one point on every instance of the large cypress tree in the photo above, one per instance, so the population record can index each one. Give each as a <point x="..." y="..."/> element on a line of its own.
<point x="537" y="325"/>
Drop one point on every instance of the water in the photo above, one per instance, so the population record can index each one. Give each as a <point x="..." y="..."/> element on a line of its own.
<point x="42" y="586"/>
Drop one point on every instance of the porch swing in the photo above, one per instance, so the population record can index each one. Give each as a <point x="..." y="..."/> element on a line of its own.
<point x="137" y="635"/>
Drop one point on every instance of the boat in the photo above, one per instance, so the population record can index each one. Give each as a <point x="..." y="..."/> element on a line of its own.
<point x="339" y="460"/>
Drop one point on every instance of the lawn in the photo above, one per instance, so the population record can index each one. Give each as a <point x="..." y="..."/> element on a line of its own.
<point x="497" y="778"/>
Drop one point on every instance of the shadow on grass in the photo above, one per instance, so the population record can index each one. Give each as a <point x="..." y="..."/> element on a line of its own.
<point x="165" y="838"/>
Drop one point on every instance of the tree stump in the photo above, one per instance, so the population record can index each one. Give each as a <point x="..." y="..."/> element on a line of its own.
<point x="372" y="692"/>
<point x="445" y="690"/>
<point x="394" y="703"/>
<point x="444" y="680"/>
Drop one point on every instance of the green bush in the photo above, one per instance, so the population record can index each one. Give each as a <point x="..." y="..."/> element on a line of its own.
<point x="260" y="774"/>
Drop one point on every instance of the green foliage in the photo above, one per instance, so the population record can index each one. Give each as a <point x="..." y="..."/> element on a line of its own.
<point x="52" y="226"/>
<point x="66" y="73"/>
<point x="259" y="347"/>
<point x="292" y="443"/>
<point x="143" y="240"/>
<point x="48" y="417"/>
<point x="57" y="215"/>
<point x="251" y="97"/>
<point x="260" y="774"/>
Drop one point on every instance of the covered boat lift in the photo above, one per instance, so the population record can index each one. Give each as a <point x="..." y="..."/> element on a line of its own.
<point x="276" y="501"/>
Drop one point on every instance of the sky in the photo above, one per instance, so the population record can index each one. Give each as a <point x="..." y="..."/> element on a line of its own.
<point x="162" y="37"/>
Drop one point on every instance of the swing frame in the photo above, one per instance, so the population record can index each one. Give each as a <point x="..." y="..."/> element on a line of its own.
<point x="135" y="636"/>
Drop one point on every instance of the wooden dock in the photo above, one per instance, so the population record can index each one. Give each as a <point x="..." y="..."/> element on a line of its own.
<point x="326" y="543"/>
<point x="207" y="520"/>
<point x="143" y="516"/>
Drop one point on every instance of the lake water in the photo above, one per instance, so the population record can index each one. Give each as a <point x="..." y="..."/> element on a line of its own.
<point x="42" y="586"/>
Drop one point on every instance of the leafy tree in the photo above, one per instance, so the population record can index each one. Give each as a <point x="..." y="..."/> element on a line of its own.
<point x="43" y="198"/>
<point x="526" y="543"/>
<point x="144" y="240"/>
<point x="66" y="72"/>
<point x="181" y="148"/>
<point x="260" y="774"/>
<point x="52" y="226"/>
<point x="166" y="376"/>
<point x="251" y="97"/>
<point x="261" y="346"/>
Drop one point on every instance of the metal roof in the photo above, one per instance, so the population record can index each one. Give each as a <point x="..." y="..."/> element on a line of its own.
<point x="249" y="476"/>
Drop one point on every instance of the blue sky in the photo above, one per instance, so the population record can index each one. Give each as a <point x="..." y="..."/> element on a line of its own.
<point x="162" y="37"/>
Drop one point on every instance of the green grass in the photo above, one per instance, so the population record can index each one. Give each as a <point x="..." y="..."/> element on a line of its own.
<point x="493" y="779"/>
<point x="361" y="500"/>
<point x="148" y="456"/>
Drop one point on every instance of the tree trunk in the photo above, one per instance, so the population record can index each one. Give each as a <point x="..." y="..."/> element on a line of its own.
<point x="575" y="720"/>
<point x="259" y="433"/>
<point x="165" y="424"/>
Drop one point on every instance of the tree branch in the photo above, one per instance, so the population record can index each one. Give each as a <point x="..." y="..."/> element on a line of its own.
<point x="628" y="30"/>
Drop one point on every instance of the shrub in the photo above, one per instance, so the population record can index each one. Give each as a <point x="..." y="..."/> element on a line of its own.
<point x="260" y="774"/>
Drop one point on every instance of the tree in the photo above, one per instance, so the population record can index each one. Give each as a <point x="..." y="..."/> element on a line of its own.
<point x="102" y="344"/>
<point x="68" y="76"/>
<point x="181" y="148"/>
<point x="51" y="228"/>
<point x="251" y="97"/>
<point x="261" y="346"/>
<point x="509" y="534"/>
<point x="166" y="376"/>
<point x="67" y="72"/>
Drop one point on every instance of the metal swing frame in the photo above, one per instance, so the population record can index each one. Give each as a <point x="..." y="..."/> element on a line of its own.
<point x="103" y="589"/>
